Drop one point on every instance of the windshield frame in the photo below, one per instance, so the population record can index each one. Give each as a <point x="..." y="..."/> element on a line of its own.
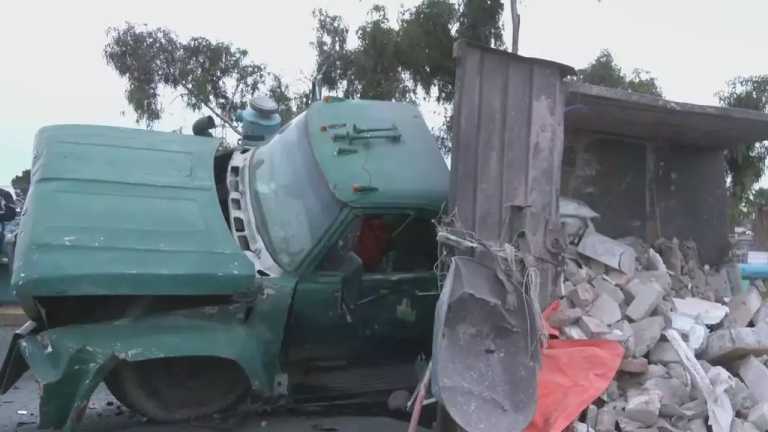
<point x="260" y="219"/>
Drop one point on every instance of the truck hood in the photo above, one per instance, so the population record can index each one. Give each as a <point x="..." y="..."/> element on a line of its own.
<point x="125" y="211"/>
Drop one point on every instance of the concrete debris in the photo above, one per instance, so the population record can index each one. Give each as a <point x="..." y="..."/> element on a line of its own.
<point x="755" y="376"/>
<point x="646" y="296"/>
<point x="582" y="295"/>
<point x="605" y="309"/>
<point x="606" y="419"/>
<point x="646" y="334"/>
<point x="706" y="312"/>
<point x="761" y="316"/>
<point x="565" y="316"/>
<point x="743" y="307"/>
<point x="740" y="425"/>
<point x="758" y="416"/>
<point x="644" y="408"/>
<point x="663" y="353"/>
<point x="634" y="365"/>
<point x="603" y="286"/>
<point x="593" y="327"/>
<point x="731" y="344"/>
<point x="680" y="383"/>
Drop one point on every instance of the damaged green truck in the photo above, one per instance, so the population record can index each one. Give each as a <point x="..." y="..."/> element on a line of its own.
<point x="190" y="280"/>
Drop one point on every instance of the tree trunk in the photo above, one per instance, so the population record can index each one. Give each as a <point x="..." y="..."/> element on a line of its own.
<point x="515" y="26"/>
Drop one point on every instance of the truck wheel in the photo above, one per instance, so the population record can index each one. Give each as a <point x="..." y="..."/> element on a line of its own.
<point x="176" y="389"/>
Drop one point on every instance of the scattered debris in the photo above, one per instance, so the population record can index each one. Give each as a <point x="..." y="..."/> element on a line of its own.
<point x="684" y="326"/>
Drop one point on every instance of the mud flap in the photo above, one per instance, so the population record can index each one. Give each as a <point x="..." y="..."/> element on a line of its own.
<point x="485" y="354"/>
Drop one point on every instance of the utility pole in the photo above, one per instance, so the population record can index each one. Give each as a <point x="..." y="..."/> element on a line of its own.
<point x="515" y="26"/>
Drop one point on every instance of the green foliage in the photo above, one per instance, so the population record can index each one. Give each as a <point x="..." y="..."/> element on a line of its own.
<point x="20" y="184"/>
<point x="745" y="164"/>
<point x="213" y="75"/>
<point x="480" y="21"/>
<point x="604" y="71"/>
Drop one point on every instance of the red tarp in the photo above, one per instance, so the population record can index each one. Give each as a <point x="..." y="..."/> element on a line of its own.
<point x="573" y="374"/>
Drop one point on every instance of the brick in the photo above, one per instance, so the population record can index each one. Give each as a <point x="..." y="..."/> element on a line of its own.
<point x="582" y="295"/>
<point x="646" y="333"/>
<point x="664" y="353"/>
<point x="758" y="416"/>
<point x="755" y="376"/>
<point x="593" y="327"/>
<point x="602" y="286"/>
<point x="565" y="316"/>
<point x="634" y="365"/>
<point x="743" y="307"/>
<point x="732" y="344"/>
<point x="646" y="297"/>
<point x="644" y="408"/>
<point x="605" y="309"/>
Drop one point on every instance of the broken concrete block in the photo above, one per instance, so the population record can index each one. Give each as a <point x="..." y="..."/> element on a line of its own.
<point x="655" y="262"/>
<point x="743" y="307"/>
<point x="579" y="427"/>
<point x="741" y="398"/>
<point x="574" y="273"/>
<point x="679" y="372"/>
<point x="646" y="297"/>
<point x="611" y="393"/>
<point x="660" y="277"/>
<point x="731" y="344"/>
<point x="565" y="316"/>
<point x="705" y="312"/>
<point x="644" y="408"/>
<point x="573" y="332"/>
<point x="634" y="365"/>
<point x="606" y="419"/>
<point x="593" y="327"/>
<point x="697" y="425"/>
<point x="591" y="417"/>
<point x="739" y="425"/>
<point x="646" y="333"/>
<point x="697" y="338"/>
<point x="758" y="416"/>
<point x="567" y="287"/>
<point x="761" y="316"/>
<point x="755" y="376"/>
<point x="603" y="286"/>
<point x="672" y="391"/>
<point x="608" y="251"/>
<point x="627" y="425"/>
<point x="605" y="309"/>
<point x="582" y="295"/>
<point x="670" y="253"/>
<point x="664" y="353"/>
<point x="717" y="283"/>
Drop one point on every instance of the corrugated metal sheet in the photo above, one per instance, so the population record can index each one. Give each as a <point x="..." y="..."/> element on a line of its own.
<point x="507" y="148"/>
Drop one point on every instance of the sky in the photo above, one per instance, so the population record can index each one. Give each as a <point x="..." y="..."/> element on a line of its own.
<point x="52" y="70"/>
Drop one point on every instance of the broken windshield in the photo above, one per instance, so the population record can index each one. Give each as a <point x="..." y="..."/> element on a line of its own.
<point x="292" y="197"/>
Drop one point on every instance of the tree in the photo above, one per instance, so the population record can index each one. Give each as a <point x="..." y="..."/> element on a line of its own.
<point x="407" y="60"/>
<point x="216" y="76"/>
<point x="20" y="184"/>
<point x="745" y="164"/>
<point x="604" y="71"/>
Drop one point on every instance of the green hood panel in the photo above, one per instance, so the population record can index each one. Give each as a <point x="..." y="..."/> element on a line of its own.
<point x="409" y="172"/>
<point x="125" y="211"/>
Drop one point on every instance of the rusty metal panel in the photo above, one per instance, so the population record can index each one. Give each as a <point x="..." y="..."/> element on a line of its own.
<point x="507" y="148"/>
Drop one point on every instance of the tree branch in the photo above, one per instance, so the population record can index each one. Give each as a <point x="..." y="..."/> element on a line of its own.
<point x="515" y="26"/>
<point x="211" y="109"/>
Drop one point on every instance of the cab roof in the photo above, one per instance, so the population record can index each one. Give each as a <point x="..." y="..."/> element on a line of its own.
<point x="377" y="154"/>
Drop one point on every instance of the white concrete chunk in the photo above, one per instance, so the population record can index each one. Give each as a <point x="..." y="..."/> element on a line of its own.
<point x="573" y="332"/>
<point x="593" y="327"/>
<point x="582" y="295"/>
<point x="706" y="312"/>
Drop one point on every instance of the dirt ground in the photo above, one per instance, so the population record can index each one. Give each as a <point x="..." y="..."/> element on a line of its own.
<point x="18" y="412"/>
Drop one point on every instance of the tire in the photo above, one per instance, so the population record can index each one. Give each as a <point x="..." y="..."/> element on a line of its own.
<point x="170" y="390"/>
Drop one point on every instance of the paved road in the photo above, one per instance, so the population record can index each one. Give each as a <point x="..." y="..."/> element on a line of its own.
<point x="18" y="412"/>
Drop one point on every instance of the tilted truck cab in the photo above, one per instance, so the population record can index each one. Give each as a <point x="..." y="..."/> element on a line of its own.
<point x="300" y="271"/>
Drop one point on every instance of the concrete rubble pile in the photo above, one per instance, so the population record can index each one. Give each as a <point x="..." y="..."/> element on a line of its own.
<point x="695" y="338"/>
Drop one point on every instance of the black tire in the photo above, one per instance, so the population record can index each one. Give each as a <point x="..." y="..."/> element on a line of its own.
<point x="170" y="390"/>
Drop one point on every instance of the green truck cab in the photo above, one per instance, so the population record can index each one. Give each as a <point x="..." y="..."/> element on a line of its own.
<point x="189" y="280"/>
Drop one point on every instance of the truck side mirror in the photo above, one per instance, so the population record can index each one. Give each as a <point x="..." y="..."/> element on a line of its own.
<point x="351" y="280"/>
